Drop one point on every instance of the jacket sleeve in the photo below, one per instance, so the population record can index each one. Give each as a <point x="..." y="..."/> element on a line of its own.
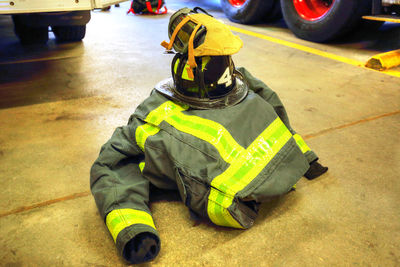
<point x="272" y="98"/>
<point x="120" y="190"/>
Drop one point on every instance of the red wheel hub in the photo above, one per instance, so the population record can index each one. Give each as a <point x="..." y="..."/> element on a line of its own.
<point x="312" y="9"/>
<point x="237" y="3"/>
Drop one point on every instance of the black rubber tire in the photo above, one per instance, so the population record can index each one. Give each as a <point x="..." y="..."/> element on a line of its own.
<point x="30" y="35"/>
<point x="106" y="8"/>
<point x="275" y="13"/>
<point x="343" y="17"/>
<point x="252" y="11"/>
<point x="71" y="33"/>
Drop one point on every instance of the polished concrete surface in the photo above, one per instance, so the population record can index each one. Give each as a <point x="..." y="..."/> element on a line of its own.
<point x="60" y="102"/>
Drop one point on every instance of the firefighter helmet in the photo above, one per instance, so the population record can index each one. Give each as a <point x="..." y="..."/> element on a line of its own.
<point x="214" y="83"/>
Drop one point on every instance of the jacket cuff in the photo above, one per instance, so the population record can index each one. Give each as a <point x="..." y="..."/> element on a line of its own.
<point x="311" y="156"/>
<point x="130" y="232"/>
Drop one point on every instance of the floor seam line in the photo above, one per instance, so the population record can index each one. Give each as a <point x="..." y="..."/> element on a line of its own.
<point x="45" y="203"/>
<point x="87" y="193"/>
<point x="34" y="60"/>
<point x="347" y="125"/>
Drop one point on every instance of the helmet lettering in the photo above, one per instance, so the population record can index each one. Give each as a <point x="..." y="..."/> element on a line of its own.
<point x="226" y="78"/>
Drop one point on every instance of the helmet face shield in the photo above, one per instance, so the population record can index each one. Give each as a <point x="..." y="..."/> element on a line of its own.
<point x="181" y="40"/>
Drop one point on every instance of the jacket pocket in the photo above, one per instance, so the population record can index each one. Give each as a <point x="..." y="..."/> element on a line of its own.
<point x="194" y="192"/>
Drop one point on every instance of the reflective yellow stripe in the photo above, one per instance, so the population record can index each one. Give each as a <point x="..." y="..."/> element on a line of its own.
<point x="254" y="159"/>
<point x="144" y="131"/>
<point x="300" y="142"/>
<point x="245" y="164"/>
<point x="185" y="74"/>
<point x="204" y="62"/>
<point x="207" y="130"/>
<point x="141" y="166"/>
<point x="166" y="109"/>
<point x="119" y="219"/>
<point x="154" y="118"/>
<point x="245" y="168"/>
<point x="176" y="65"/>
<point x="217" y="209"/>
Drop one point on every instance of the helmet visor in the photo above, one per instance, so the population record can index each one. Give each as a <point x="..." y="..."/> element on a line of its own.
<point x="181" y="40"/>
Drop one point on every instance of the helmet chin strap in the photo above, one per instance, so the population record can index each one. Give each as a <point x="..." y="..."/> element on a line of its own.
<point x="200" y="81"/>
<point x="168" y="46"/>
<point x="191" y="59"/>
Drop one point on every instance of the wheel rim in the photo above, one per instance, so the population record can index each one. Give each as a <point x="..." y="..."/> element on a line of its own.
<point x="312" y="9"/>
<point x="237" y="3"/>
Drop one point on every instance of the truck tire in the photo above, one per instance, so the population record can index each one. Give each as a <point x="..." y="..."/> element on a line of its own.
<point x="70" y="33"/>
<point x="275" y="13"/>
<point x="30" y="35"/>
<point x="246" y="11"/>
<point x="323" y="20"/>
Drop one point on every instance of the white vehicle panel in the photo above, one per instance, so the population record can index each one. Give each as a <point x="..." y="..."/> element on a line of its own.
<point x="105" y="3"/>
<point x="32" y="6"/>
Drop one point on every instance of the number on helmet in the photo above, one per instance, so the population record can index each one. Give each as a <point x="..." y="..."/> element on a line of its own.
<point x="226" y="78"/>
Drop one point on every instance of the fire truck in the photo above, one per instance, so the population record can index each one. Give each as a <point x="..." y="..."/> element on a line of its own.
<point x="67" y="18"/>
<point x="315" y="20"/>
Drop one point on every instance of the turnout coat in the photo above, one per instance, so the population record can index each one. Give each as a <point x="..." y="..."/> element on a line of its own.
<point x="223" y="162"/>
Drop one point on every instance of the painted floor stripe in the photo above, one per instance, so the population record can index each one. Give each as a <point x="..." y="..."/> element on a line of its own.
<point x="312" y="50"/>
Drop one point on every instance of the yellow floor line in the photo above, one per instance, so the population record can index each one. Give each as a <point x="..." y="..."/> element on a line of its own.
<point x="382" y="18"/>
<point x="312" y="51"/>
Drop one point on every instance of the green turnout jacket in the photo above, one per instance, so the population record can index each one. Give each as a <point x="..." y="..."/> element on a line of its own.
<point x="220" y="160"/>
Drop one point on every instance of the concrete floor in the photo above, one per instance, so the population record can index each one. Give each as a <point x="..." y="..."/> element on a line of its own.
<point x="61" y="102"/>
